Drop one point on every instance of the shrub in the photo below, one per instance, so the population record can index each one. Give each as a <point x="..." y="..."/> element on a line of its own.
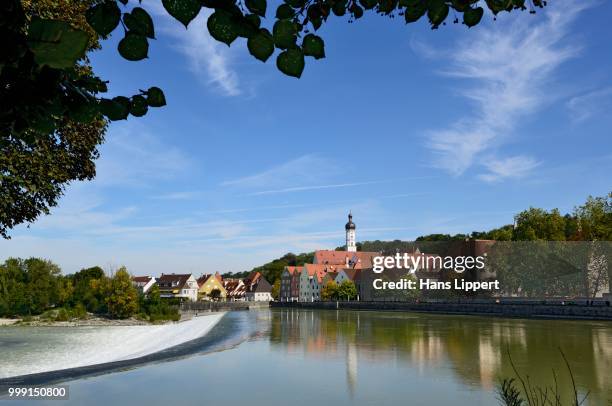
<point x="62" y="315"/>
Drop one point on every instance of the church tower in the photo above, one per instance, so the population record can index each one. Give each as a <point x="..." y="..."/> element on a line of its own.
<point x="350" y="234"/>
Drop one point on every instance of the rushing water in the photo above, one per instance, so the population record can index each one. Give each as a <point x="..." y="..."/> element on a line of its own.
<point x="281" y="357"/>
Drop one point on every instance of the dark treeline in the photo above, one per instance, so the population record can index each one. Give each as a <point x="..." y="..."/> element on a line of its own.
<point x="35" y="286"/>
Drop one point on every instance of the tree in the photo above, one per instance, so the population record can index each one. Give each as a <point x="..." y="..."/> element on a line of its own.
<point x="121" y="297"/>
<point x="215" y="294"/>
<point x="329" y="291"/>
<point x="538" y="224"/>
<point x="53" y="114"/>
<point x="30" y="286"/>
<point x="84" y="293"/>
<point x="276" y="289"/>
<point x="347" y="290"/>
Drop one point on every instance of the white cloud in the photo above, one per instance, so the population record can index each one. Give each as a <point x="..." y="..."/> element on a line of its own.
<point x="209" y="60"/>
<point x="509" y="66"/>
<point x="513" y="167"/>
<point x="590" y="104"/>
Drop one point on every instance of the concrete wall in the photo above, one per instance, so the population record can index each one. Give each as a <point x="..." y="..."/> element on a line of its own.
<point x="597" y="312"/>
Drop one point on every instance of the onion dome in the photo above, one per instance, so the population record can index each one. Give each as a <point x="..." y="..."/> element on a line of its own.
<point x="350" y="225"/>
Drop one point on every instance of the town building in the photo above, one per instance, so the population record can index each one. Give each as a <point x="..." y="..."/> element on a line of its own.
<point x="235" y="289"/>
<point x="286" y="293"/>
<point x="259" y="291"/>
<point x="182" y="286"/>
<point x="210" y="287"/>
<point x="143" y="283"/>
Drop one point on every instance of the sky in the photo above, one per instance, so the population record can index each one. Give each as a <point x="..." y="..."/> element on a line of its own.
<point x="414" y="130"/>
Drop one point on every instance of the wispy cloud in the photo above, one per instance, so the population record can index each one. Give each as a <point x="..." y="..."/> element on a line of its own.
<point x="177" y="196"/>
<point x="305" y="169"/>
<point x="509" y="65"/>
<point x="514" y="167"/>
<point x="316" y="187"/>
<point x="134" y="156"/>
<point x="590" y="104"/>
<point x="208" y="59"/>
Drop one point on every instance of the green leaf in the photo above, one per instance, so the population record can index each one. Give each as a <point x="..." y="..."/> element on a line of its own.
<point x="472" y="16"/>
<point x="357" y="11"/>
<point x="84" y="112"/>
<point x="133" y="47"/>
<point x="140" y="22"/>
<point x="253" y="19"/>
<point x="339" y="7"/>
<point x="313" y="46"/>
<point x="296" y="3"/>
<point x="368" y="4"/>
<point x="183" y="10"/>
<point x="415" y="9"/>
<point x="387" y="6"/>
<point x="291" y="62"/>
<point x="222" y="27"/>
<point x="247" y="26"/>
<point x="284" y="34"/>
<point x="155" y="97"/>
<point x="284" y="11"/>
<point x="437" y="12"/>
<point x="103" y="17"/>
<point x="257" y="7"/>
<point x="138" y="106"/>
<point x="261" y="45"/>
<point x="115" y="109"/>
<point x="56" y="43"/>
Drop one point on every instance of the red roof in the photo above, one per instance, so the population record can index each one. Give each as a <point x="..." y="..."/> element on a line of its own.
<point x="292" y="269"/>
<point x="364" y="259"/>
<point x="312" y="268"/>
<point x="141" y="279"/>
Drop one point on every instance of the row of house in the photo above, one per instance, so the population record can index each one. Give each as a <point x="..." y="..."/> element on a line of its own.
<point x="304" y="283"/>
<point x="207" y="287"/>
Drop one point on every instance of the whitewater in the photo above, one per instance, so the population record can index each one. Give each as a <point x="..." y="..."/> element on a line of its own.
<point x="29" y="350"/>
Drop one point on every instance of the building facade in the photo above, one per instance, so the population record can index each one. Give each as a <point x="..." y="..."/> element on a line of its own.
<point x="183" y="286"/>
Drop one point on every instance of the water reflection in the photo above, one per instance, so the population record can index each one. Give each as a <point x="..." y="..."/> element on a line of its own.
<point x="474" y="349"/>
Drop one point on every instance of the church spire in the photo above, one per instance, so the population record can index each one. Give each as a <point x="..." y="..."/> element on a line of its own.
<point x="350" y="234"/>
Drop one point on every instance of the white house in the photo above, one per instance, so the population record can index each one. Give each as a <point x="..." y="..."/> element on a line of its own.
<point x="143" y="283"/>
<point x="259" y="291"/>
<point x="178" y="285"/>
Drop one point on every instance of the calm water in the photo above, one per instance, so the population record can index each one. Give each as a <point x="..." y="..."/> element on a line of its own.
<point x="295" y="357"/>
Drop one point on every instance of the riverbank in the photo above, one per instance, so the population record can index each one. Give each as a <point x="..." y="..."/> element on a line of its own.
<point x="526" y="310"/>
<point x="89" y="321"/>
<point x="8" y="322"/>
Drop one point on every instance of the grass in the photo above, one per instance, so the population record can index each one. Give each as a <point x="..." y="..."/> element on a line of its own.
<point x="520" y="391"/>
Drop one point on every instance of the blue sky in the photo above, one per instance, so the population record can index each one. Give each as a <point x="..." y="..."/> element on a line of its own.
<point x="416" y="131"/>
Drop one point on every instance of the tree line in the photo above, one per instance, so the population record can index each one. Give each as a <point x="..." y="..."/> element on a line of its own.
<point x="35" y="286"/>
<point x="591" y="221"/>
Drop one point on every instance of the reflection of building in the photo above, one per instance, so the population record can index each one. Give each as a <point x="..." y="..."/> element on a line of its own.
<point x="351" y="368"/>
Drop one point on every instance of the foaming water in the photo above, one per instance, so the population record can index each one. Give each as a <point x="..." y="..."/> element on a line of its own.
<point x="36" y="350"/>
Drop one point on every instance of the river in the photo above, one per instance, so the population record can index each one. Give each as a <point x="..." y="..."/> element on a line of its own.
<point x="323" y="357"/>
